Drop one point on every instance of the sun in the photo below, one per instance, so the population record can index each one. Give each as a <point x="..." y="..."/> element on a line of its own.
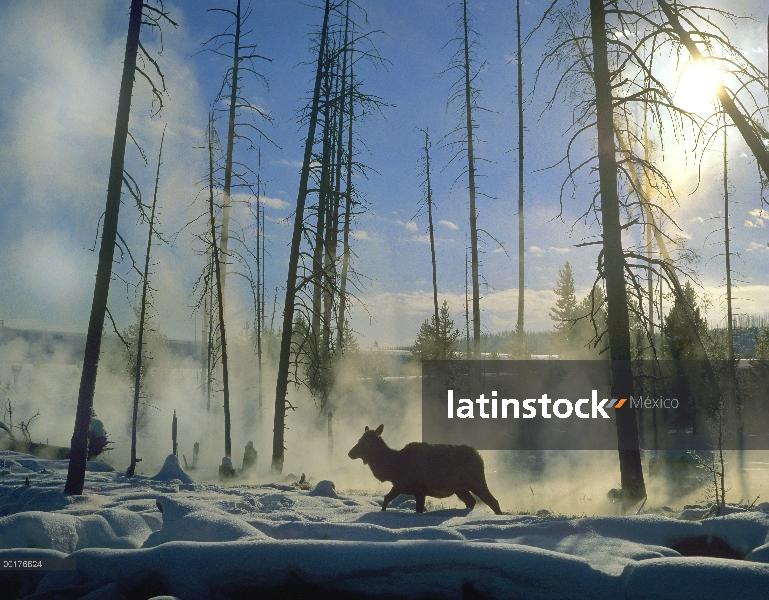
<point x="696" y="90"/>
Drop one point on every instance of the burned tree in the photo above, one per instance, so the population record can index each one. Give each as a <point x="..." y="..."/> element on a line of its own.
<point x="520" y="333"/>
<point x="317" y="292"/>
<point x="142" y="315"/>
<point x="623" y="73"/>
<point x="464" y="98"/>
<point x="153" y="18"/>
<point x="242" y="57"/>
<point x="427" y="203"/>
<point x="281" y="389"/>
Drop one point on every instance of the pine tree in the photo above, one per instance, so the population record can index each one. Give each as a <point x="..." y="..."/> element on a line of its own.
<point x="565" y="310"/>
<point x="679" y="334"/>
<point x="439" y="342"/>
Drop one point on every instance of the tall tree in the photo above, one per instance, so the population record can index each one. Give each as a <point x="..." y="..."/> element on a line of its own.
<point x="521" y="335"/>
<point x="727" y="256"/>
<point x="79" y="449"/>
<point x="428" y="202"/>
<point x="281" y="387"/>
<point x="142" y="315"/>
<point x="471" y="185"/>
<point x="464" y="96"/>
<point x="218" y="268"/>
<point x="348" y="195"/>
<point x="632" y="480"/>
<point x="243" y="56"/>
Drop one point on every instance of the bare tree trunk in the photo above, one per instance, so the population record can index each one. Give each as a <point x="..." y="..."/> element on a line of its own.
<point x="432" y="236"/>
<point x="330" y="241"/>
<point x="521" y="240"/>
<point x="230" y="149"/>
<point x="174" y="436"/>
<point x="318" y="251"/>
<point x="79" y="452"/>
<point x="632" y="480"/>
<point x="729" y="314"/>
<point x="467" y="312"/>
<point x="471" y="185"/>
<point x="347" y="210"/>
<point x="331" y="246"/>
<point x="259" y="284"/>
<point x="142" y="313"/>
<point x="219" y="292"/>
<point x="281" y="387"/>
<point x="210" y="350"/>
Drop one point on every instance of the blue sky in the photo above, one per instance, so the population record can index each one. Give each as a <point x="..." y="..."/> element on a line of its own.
<point x="60" y="65"/>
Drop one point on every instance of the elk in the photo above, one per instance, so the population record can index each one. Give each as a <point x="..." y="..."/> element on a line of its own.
<point x="425" y="470"/>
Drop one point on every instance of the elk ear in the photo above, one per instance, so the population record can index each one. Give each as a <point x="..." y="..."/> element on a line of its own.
<point x="366" y="427"/>
<point x="379" y="430"/>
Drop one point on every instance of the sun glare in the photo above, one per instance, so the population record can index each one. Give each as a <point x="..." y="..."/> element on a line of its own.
<point x="696" y="90"/>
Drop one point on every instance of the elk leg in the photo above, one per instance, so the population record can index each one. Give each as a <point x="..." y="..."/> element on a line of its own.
<point x="482" y="491"/>
<point x="391" y="495"/>
<point x="420" y="498"/>
<point x="466" y="497"/>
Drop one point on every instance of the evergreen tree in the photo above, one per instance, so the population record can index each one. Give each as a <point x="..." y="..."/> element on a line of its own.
<point x="680" y="339"/>
<point x="437" y="342"/>
<point x="587" y="336"/>
<point x="564" y="312"/>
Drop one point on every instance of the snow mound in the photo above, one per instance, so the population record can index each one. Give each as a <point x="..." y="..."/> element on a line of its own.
<point x="190" y="521"/>
<point x="760" y="554"/>
<point x="111" y="528"/>
<point x="325" y="488"/>
<point x="172" y="470"/>
<point x="696" y="578"/>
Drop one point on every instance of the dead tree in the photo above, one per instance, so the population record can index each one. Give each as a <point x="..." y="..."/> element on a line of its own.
<point x="217" y="263"/>
<point x="79" y="446"/>
<point x="521" y="335"/>
<point x="313" y="297"/>
<point x="348" y="195"/>
<point x="614" y="264"/>
<point x="281" y="388"/>
<point x="231" y="89"/>
<point x="464" y="95"/>
<point x="427" y="203"/>
<point x="142" y="315"/>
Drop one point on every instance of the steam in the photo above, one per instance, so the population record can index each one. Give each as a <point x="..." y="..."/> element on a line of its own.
<point x="570" y="483"/>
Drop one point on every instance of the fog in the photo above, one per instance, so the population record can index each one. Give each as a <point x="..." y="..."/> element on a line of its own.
<point x="568" y="483"/>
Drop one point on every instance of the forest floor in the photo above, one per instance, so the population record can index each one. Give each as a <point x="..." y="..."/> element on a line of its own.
<point x="166" y="535"/>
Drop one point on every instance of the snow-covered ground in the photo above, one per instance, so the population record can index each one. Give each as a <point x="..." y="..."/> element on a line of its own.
<point x="166" y="535"/>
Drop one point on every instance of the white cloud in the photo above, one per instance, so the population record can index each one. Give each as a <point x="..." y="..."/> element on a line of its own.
<point x="758" y="222"/>
<point x="536" y="250"/>
<point x="294" y="164"/>
<point x="559" y="250"/>
<point x="276" y="203"/>
<point x="448" y="224"/>
<point x="755" y="246"/>
<point x="409" y="225"/>
<point x="361" y="235"/>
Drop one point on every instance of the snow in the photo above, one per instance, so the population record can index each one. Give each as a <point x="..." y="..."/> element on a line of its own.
<point x="167" y="536"/>
<point x="172" y="470"/>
